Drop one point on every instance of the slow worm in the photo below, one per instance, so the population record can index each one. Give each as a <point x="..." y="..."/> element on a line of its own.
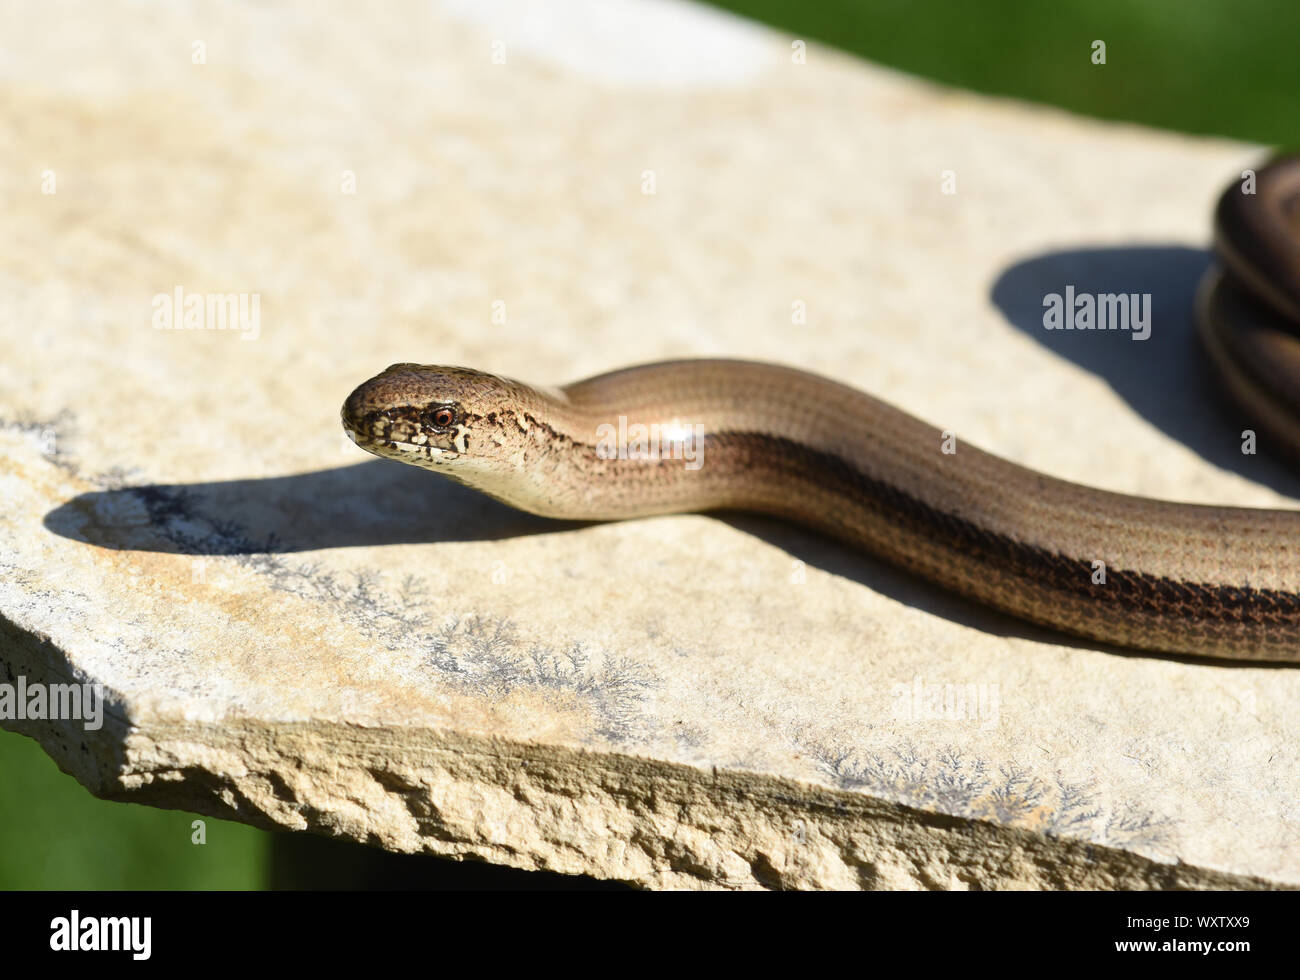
<point x="1125" y="570"/>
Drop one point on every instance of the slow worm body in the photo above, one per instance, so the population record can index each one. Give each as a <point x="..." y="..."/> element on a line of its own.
<point x="715" y="434"/>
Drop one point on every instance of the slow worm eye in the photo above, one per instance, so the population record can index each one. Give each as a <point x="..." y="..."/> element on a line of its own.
<point x="443" y="417"/>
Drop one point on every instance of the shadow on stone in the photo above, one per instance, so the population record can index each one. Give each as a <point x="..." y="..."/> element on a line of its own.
<point x="1166" y="378"/>
<point x="372" y="503"/>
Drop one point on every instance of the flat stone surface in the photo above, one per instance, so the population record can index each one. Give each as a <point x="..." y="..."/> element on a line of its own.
<point x="295" y="635"/>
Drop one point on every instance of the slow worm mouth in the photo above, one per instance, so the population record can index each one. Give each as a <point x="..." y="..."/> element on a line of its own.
<point x="430" y="452"/>
<point x="379" y="433"/>
<point x="396" y="448"/>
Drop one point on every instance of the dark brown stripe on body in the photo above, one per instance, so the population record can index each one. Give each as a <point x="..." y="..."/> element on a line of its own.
<point x="1131" y="590"/>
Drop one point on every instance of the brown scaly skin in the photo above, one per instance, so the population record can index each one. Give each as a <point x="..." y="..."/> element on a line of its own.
<point x="1178" y="578"/>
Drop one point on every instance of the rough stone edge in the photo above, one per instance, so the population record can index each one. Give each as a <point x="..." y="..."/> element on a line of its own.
<point x="609" y="815"/>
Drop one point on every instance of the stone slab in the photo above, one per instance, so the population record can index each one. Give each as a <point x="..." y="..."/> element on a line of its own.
<point x="297" y="636"/>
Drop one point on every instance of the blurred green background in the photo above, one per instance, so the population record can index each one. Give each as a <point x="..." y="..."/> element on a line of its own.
<point x="1227" y="68"/>
<point x="55" y="835"/>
